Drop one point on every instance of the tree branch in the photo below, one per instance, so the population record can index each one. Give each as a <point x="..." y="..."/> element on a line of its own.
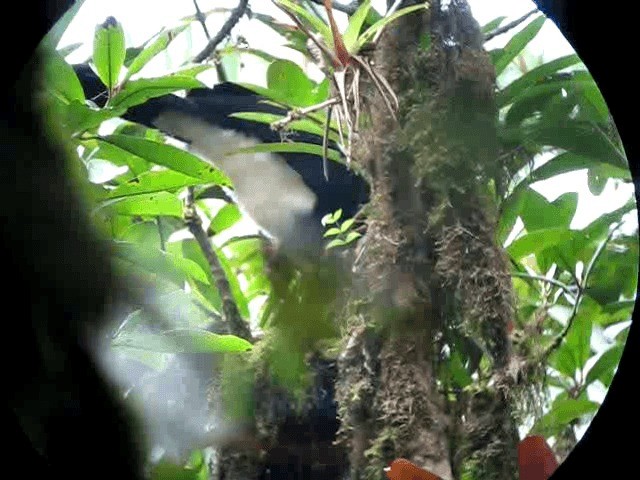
<point x="202" y="19"/>
<point x="565" y="288"/>
<point x="231" y="22"/>
<point x="509" y="26"/>
<point x="237" y="326"/>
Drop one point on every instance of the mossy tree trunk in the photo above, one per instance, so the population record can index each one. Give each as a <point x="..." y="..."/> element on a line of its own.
<point x="429" y="264"/>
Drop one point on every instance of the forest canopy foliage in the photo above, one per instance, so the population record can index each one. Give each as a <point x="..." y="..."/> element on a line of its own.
<point x="575" y="288"/>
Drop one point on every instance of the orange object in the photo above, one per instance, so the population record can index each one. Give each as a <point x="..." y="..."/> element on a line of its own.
<point x="402" y="469"/>
<point x="536" y="459"/>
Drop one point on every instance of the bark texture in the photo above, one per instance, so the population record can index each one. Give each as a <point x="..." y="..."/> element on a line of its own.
<point x="429" y="265"/>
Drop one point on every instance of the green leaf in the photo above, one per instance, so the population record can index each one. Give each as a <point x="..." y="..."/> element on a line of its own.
<point x="80" y="117"/>
<point x="615" y="272"/>
<point x="373" y="29"/>
<point x="317" y="23"/>
<point x="605" y="366"/>
<point x="538" y="213"/>
<point x="536" y="76"/>
<point x="139" y="91"/>
<point x="168" y="156"/>
<point x="537" y="241"/>
<point x="291" y="147"/>
<point x="581" y="138"/>
<point x="152" y="182"/>
<point x="517" y="44"/>
<point x="350" y="35"/>
<point x="578" y="340"/>
<point x="459" y="373"/>
<point x="53" y="36"/>
<point x="346" y="225"/>
<point x="597" y="180"/>
<point x="492" y="25"/>
<point x="160" y="44"/>
<point x="351" y="236"/>
<point x="109" y="51"/>
<point x="564" y="91"/>
<point x="148" y="259"/>
<point x="190" y="249"/>
<point x="336" y="242"/>
<point x="151" y="204"/>
<point x="302" y="125"/>
<point x="562" y="413"/>
<point x="571" y="162"/>
<point x="332" y="232"/>
<point x="185" y="341"/>
<point x="226" y="217"/>
<point x="289" y="81"/>
<point x="60" y="80"/>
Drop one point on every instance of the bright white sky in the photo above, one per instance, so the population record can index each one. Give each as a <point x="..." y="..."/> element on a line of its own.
<point x="143" y="18"/>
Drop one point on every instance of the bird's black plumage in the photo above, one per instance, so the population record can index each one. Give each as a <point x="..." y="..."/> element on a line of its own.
<point x="214" y="107"/>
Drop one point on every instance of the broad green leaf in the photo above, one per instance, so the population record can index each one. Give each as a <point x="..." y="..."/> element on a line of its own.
<point x="578" y="340"/>
<point x="373" y="29"/>
<point x="158" y="45"/>
<point x="346" y="225"/>
<point x="351" y="33"/>
<point x="154" y="181"/>
<point x="190" y="249"/>
<point x="150" y="204"/>
<point x="351" y="236"/>
<point x="139" y="91"/>
<point x="615" y="273"/>
<point x="168" y="156"/>
<point x="109" y="51"/>
<point x="289" y="81"/>
<point x="80" y="117"/>
<point x="69" y="49"/>
<point x="148" y="259"/>
<point x="60" y="80"/>
<point x="536" y="76"/>
<point x="570" y="162"/>
<point x="332" y="232"/>
<point x="185" y="341"/>
<point x="562" y="413"/>
<point x="605" y="366"/>
<point x="142" y="233"/>
<point x="517" y="44"/>
<point x="537" y="241"/>
<point x="580" y="138"/>
<point x="538" y="213"/>
<point x="226" y="217"/>
<point x="336" y="242"/>
<point x="293" y="147"/>
<point x="99" y="149"/>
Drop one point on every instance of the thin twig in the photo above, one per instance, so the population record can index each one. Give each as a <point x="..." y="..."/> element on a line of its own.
<point x="231" y="22"/>
<point x="237" y="326"/>
<point x="349" y="8"/>
<point x="202" y="19"/>
<point x="582" y="286"/>
<point x="551" y="281"/>
<point x="297" y="113"/>
<point x="509" y="26"/>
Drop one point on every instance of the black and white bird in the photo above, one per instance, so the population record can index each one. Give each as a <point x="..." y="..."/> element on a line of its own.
<point x="286" y="194"/>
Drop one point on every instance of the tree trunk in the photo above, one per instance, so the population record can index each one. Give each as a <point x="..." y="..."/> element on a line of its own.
<point x="429" y="262"/>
